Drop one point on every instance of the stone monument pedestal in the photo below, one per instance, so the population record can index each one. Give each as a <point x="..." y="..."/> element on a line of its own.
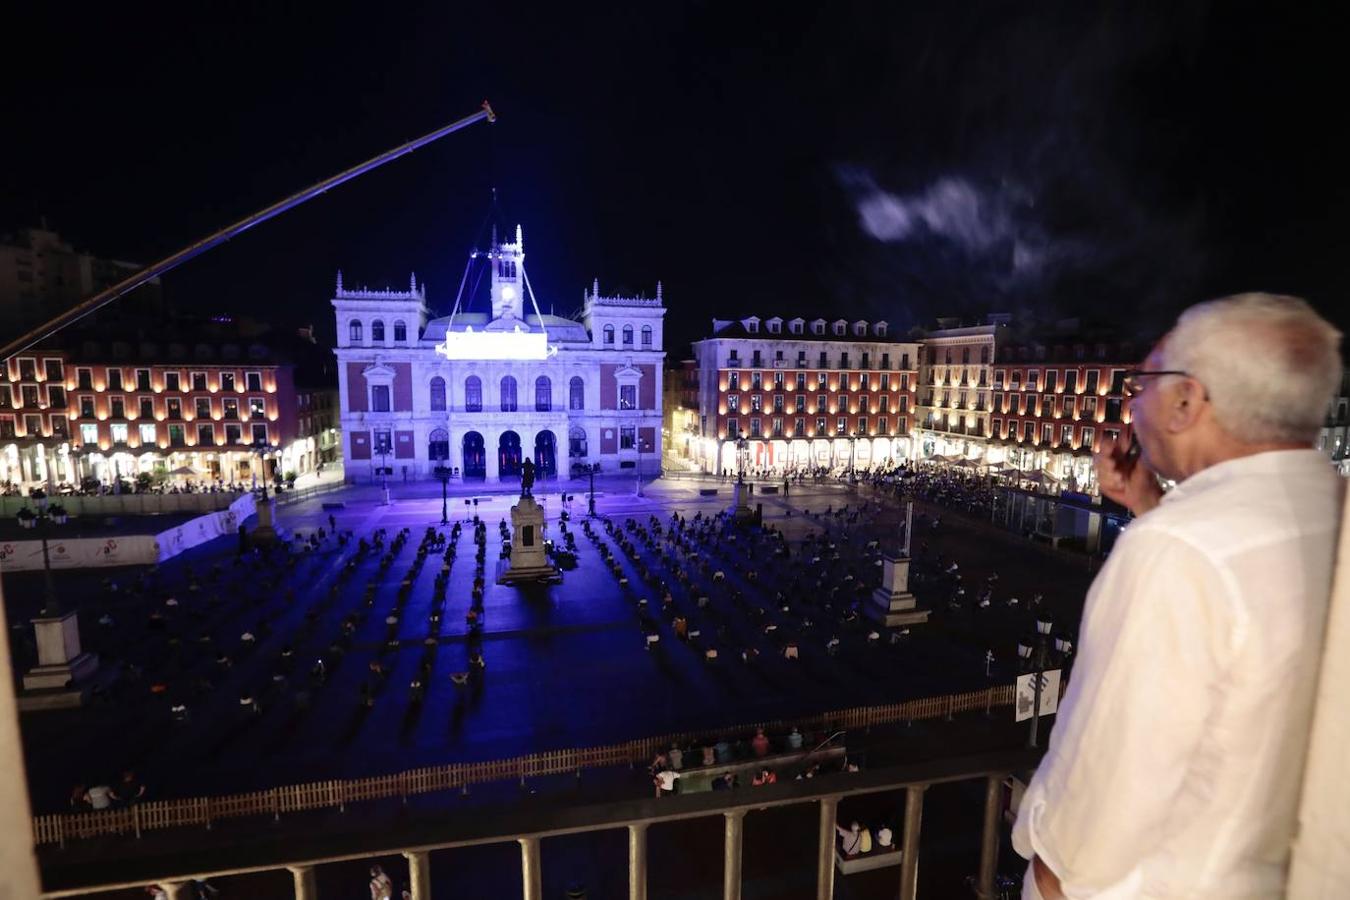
<point x="264" y="532"/>
<point x="740" y="508"/>
<point x="892" y="604"/>
<point x="528" y="560"/>
<point x="63" y="670"/>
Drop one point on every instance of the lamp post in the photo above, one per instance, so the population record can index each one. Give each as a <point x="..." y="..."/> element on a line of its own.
<point x="443" y="473"/>
<point x="641" y="445"/>
<point x="51" y="607"/>
<point x="264" y="531"/>
<point x="742" y="456"/>
<point x="590" y="501"/>
<point x="383" y="452"/>
<point x="1043" y="628"/>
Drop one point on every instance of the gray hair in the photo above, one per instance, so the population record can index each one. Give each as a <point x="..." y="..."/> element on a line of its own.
<point x="1270" y="363"/>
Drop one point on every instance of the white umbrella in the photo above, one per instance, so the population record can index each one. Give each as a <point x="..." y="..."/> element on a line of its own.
<point x="184" y="472"/>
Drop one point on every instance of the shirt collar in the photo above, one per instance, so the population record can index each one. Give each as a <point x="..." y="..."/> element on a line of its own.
<point x="1271" y="463"/>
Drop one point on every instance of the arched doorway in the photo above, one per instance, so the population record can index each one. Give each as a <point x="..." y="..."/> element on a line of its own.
<point x="546" y="455"/>
<point x="508" y="455"/>
<point x="475" y="456"/>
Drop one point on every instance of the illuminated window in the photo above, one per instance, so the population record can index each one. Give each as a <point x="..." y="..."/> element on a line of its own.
<point x="437" y="396"/>
<point x="627" y="396"/>
<point x="229" y="408"/>
<point x="543" y="394"/>
<point x="576" y="393"/>
<point x="473" y="394"/>
<point x="89" y="433"/>
<point x="147" y="433"/>
<point x="508" y="389"/>
<point x="627" y="437"/>
<point x="841" y="425"/>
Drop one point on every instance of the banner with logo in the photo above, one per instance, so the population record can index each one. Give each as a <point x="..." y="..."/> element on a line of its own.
<point x="1026" y="694"/>
<point x="126" y="549"/>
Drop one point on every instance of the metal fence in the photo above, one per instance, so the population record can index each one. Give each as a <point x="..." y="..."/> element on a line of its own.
<point x="337" y="793"/>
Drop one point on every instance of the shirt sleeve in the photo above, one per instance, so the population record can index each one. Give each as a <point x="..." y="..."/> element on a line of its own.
<point x="1155" y="639"/>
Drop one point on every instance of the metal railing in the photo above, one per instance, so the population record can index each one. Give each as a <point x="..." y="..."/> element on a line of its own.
<point x="337" y="793"/>
<point x="523" y="828"/>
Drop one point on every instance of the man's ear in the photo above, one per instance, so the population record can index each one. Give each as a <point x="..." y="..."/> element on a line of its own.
<point x="1185" y="405"/>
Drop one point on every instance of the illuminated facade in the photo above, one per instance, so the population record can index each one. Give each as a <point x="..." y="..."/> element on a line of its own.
<point x="794" y="394"/>
<point x="481" y="392"/>
<point x="1053" y="403"/>
<point x="67" y="416"/>
<point x="954" y="396"/>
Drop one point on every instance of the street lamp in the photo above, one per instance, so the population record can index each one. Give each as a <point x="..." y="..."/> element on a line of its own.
<point x="261" y="447"/>
<point x="382" y="450"/>
<point x="642" y="444"/>
<point x="55" y="513"/>
<point x="1044" y="625"/>
<point x="742" y="456"/>
<point x="443" y="473"/>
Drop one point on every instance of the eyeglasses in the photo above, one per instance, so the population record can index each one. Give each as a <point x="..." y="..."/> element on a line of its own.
<point x="1133" y="384"/>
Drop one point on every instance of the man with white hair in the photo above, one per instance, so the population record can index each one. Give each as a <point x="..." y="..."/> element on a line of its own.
<point x="1175" y="765"/>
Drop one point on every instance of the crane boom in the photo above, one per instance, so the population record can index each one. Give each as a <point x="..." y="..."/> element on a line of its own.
<point x="108" y="295"/>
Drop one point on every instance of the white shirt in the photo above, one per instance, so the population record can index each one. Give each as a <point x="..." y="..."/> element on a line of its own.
<point x="667" y="779"/>
<point x="1175" y="766"/>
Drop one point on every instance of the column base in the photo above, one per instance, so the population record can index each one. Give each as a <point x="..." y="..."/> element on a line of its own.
<point x="58" y="686"/>
<point x="895" y="610"/>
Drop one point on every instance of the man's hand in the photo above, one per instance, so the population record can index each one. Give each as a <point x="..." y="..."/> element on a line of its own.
<point x="1122" y="478"/>
<point x="1047" y="883"/>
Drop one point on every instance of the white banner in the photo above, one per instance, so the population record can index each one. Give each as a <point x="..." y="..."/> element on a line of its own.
<point x="1026" y="694"/>
<point x="126" y="549"/>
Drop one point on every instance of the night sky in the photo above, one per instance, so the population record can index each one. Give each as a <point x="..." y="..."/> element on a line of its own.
<point x="879" y="160"/>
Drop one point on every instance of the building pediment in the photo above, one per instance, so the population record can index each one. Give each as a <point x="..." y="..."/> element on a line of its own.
<point x="377" y="371"/>
<point x="627" y="371"/>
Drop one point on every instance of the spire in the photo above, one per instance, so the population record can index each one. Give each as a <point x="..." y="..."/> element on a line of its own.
<point x="339" y="281"/>
<point x="595" y="288"/>
<point x="412" y="282"/>
<point x="520" y="241"/>
<point x="658" y="290"/>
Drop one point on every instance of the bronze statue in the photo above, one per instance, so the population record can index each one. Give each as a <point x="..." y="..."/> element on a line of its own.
<point x="527" y="478"/>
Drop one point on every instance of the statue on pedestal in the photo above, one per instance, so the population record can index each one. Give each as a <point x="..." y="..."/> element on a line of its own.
<point x="527" y="478"/>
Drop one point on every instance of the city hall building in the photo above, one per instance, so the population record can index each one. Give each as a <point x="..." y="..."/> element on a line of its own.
<point x="480" y="392"/>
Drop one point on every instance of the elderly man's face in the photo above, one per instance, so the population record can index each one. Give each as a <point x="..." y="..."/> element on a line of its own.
<point x="1147" y="410"/>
